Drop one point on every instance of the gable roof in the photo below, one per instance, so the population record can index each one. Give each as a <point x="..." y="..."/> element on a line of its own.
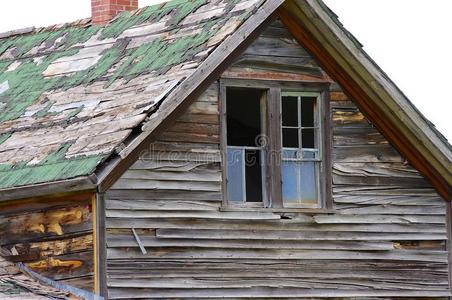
<point x="76" y="97"/>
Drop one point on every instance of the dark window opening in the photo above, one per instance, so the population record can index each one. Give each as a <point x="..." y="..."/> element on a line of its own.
<point x="244" y="110"/>
<point x="307" y="111"/>
<point x="253" y="176"/>
<point x="289" y="109"/>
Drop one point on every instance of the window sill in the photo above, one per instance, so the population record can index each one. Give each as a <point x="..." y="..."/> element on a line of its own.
<point x="279" y="210"/>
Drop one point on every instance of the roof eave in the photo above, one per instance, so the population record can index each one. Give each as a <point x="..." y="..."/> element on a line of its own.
<point x="78" y="184"/>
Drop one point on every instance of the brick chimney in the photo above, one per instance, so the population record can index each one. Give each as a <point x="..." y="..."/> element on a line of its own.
<point x="103" y="11"/>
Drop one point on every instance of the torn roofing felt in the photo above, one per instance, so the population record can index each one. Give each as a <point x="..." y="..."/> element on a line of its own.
<point x="70" y="95"/>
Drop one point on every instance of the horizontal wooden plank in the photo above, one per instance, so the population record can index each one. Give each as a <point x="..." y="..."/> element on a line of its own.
<point x="249" y="269"/>
<point x="389" y="199"/>
<point x="127" y="240"/>
<point x="173" y="253"/>
<point x="166" y="205"/>
<point x="194" y="157"/>
<point x="204" y="129"/>
<point x="56" y="247"/>
<point x="272" y="265"/>
<point x="383" y="190"/>
<point x="391" y="209"/>
<point x="65" y="266"/>
<point x="264" y="293"/>
<point x="366" y="154"/>
<point x="352" y="118"/>
<point x="191" y="214"/>
<point x="205" y="108"/>
<point x="194" y="175"/>
<point x="161" y="194"/>
<point x="356" y="136"/>
<point x="275" y="282"/>
<point x="344" y="223"/>
<point x="184" y="147"/>
<point x="165" y="165"/>
<point x="295" y="235"/>
<point x="170" y="136"/>
<point x="45" y="225"/>
<point x="379" y="219"/>
<point x="199" y="118"/>
<point x="143" y="184"/>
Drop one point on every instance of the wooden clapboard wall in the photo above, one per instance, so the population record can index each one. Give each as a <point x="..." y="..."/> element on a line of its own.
<point x="53" y="237"/>
<point x="385" y="239"/>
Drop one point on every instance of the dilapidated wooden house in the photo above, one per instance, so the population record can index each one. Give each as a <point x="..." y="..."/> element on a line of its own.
<point x="237" y="149"/>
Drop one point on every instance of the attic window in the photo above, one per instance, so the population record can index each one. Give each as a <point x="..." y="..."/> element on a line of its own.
<point x="274" y="147"/>
<point x="300" y="148"/>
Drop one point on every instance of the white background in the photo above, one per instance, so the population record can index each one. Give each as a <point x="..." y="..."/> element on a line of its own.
<point x="411" y="40"/>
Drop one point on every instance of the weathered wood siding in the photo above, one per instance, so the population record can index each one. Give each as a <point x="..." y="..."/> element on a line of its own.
<point x="385" y="239"/>
<point x="54" y="237"/>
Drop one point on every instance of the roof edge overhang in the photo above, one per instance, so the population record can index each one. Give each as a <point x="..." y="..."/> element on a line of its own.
<point x="375" y="94"/>
<point x="53" y="189"/>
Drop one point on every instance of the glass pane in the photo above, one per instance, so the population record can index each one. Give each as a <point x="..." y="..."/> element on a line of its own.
<point x="299" y="183"/>
<point x="235" y="181"/>
<point x="307" y="111"/>
<point x="308" y="138"/>
<point x="253" y="171"/>
<point x="243" y="116"/>
<point x="292" y="154"/>
<point x="289" y="109"/>
<point x="290" y="182"/>
<point x="308" y="185"/>
<point x="290" y="137"/>
<point x="310" y="154"/>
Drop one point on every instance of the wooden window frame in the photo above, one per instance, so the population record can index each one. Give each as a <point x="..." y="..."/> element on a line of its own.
<point x="273" y="175"/>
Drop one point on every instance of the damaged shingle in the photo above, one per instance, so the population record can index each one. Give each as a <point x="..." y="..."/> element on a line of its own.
<point x="69" y="95"/>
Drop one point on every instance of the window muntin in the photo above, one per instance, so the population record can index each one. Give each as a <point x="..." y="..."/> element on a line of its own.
<point x="297" y="173"/>
<point x="300" y="127"/>
<point x="245" y="151"/>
